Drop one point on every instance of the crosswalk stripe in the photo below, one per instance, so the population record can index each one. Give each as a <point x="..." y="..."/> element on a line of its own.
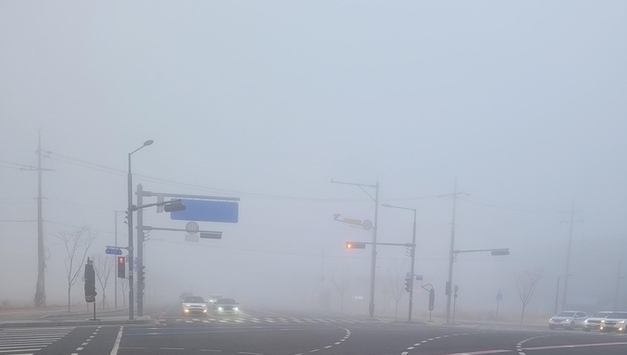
<point x="268" y="320"/>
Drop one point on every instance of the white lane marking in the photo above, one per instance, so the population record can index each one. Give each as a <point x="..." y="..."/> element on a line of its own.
<point x="172" y="348"/>
<point x="116" y="344"/>
<point x="13" y="350"/>
<point x="211" y="350"/>
<point x="243" y="352"/>
<point x="574" y="346"/>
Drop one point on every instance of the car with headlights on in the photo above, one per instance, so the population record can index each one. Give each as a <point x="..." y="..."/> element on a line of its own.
<point x="593" y="322"/>
<point x="568" y="320"/>
<point x="616" y="320"/>
<point x="194" y="305"/>
<point x="225" y="305"/>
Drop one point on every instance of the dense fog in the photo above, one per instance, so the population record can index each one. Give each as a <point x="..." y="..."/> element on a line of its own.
<point x="519" y="107"/>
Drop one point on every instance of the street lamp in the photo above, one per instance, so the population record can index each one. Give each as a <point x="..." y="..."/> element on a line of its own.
<point x="129" y="212"/>
<point x="413" y="258"/>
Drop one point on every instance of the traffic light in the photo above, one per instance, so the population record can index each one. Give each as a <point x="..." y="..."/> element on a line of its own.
<point x="90" y="282"/>
<point x="141" y="276"/>
<point x="122" y="267"/>
<point x="354" y="245"/>
<point x="408" y="284"/>
<point x="431" y="299"/>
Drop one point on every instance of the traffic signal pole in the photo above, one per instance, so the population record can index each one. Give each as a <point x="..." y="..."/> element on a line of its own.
<point x="129" y="216"/>
<point x="413" y="275"/>
<point x="140" y="252"/>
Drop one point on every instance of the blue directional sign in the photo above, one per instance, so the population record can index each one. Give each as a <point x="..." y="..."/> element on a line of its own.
<point x="113" y="251"/>
<point x="208" y="211"/>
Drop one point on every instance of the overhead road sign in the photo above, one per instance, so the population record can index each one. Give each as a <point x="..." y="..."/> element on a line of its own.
<point x="207" y="211"/>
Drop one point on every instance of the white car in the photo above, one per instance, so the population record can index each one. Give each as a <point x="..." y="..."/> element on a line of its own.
<point x="194" y="305"/>
<point x="226" y="305"/>
<point x="568" y="320"/>
<point x="594" y="321"/>
<point x="616" y="320"/>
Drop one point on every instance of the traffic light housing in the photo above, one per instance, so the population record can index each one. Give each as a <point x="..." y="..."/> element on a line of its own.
<point x="408" y="284"/>
<point x="90" y="282"/>
<point x="174" y="206"/>
<point x="431" y="299"/>
<point x="121" y="267"/>
<point x="141" y="276"/>
<point x="355" y="245"/>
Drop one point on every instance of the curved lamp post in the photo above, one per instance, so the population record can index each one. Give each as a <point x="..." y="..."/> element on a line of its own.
<point x="129" y="212"/>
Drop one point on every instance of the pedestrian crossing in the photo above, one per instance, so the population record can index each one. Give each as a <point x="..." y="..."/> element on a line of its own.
<point x="26" y="341"/>
<point x="259" y="320"/>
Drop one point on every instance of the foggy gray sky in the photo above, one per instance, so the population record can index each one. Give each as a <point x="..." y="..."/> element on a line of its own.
<point x="523" y="102"/>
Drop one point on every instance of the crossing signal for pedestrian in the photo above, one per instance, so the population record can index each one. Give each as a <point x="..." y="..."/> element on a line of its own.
<point x="354" y="245"/>
<point x="122" y="267"/>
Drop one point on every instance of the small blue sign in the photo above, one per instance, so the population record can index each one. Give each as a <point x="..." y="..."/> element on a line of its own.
<point x="207" y="211"/>
<point x="113" y="251"/>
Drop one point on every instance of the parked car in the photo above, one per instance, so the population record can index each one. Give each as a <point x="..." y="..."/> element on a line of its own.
<point x="616" y="320"/>
<point x="193" y="305"/>
<point x="568" y="320"/>
<point x="593" y="322"/>
<point x="225" y="305"/>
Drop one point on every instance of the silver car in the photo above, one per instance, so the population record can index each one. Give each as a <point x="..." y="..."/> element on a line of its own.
<point x="568" y="320"/>
<point x="593" y="322"/>
<point x="615" y="321"/>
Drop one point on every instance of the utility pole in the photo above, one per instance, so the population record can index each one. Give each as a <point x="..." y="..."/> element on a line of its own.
<point x="618" y="277"/>
<point x="373" y="264"/>
<point x="451" y="260"/>
<point x="570" y="242"/>
<point x="40" y="288"/>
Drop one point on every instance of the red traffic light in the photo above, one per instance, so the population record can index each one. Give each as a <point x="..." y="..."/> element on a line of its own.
<point x="121" y="267"/>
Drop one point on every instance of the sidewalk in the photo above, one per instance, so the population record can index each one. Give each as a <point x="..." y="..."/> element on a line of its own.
<point x="58" y="316"/>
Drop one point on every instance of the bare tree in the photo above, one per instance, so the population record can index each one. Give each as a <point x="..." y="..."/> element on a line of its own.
<point x="76" y="245"/>
<point x="103" y="266"/>
<point x="123" y="283"/>
<point x="342" y="285"/>
<point x="397" y="285"/>
<point x="526" y="283"/>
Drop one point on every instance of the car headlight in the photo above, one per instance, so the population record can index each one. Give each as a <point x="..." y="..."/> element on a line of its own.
<point x="235" y="308"/>
<point x="219" y="308"/>
<point x="186" y="310"/>
<point x="621" y="321"/>
<point x="569" y="320"/>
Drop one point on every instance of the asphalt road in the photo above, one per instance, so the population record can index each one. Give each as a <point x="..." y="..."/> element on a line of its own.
<point x="261" y="332"/>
